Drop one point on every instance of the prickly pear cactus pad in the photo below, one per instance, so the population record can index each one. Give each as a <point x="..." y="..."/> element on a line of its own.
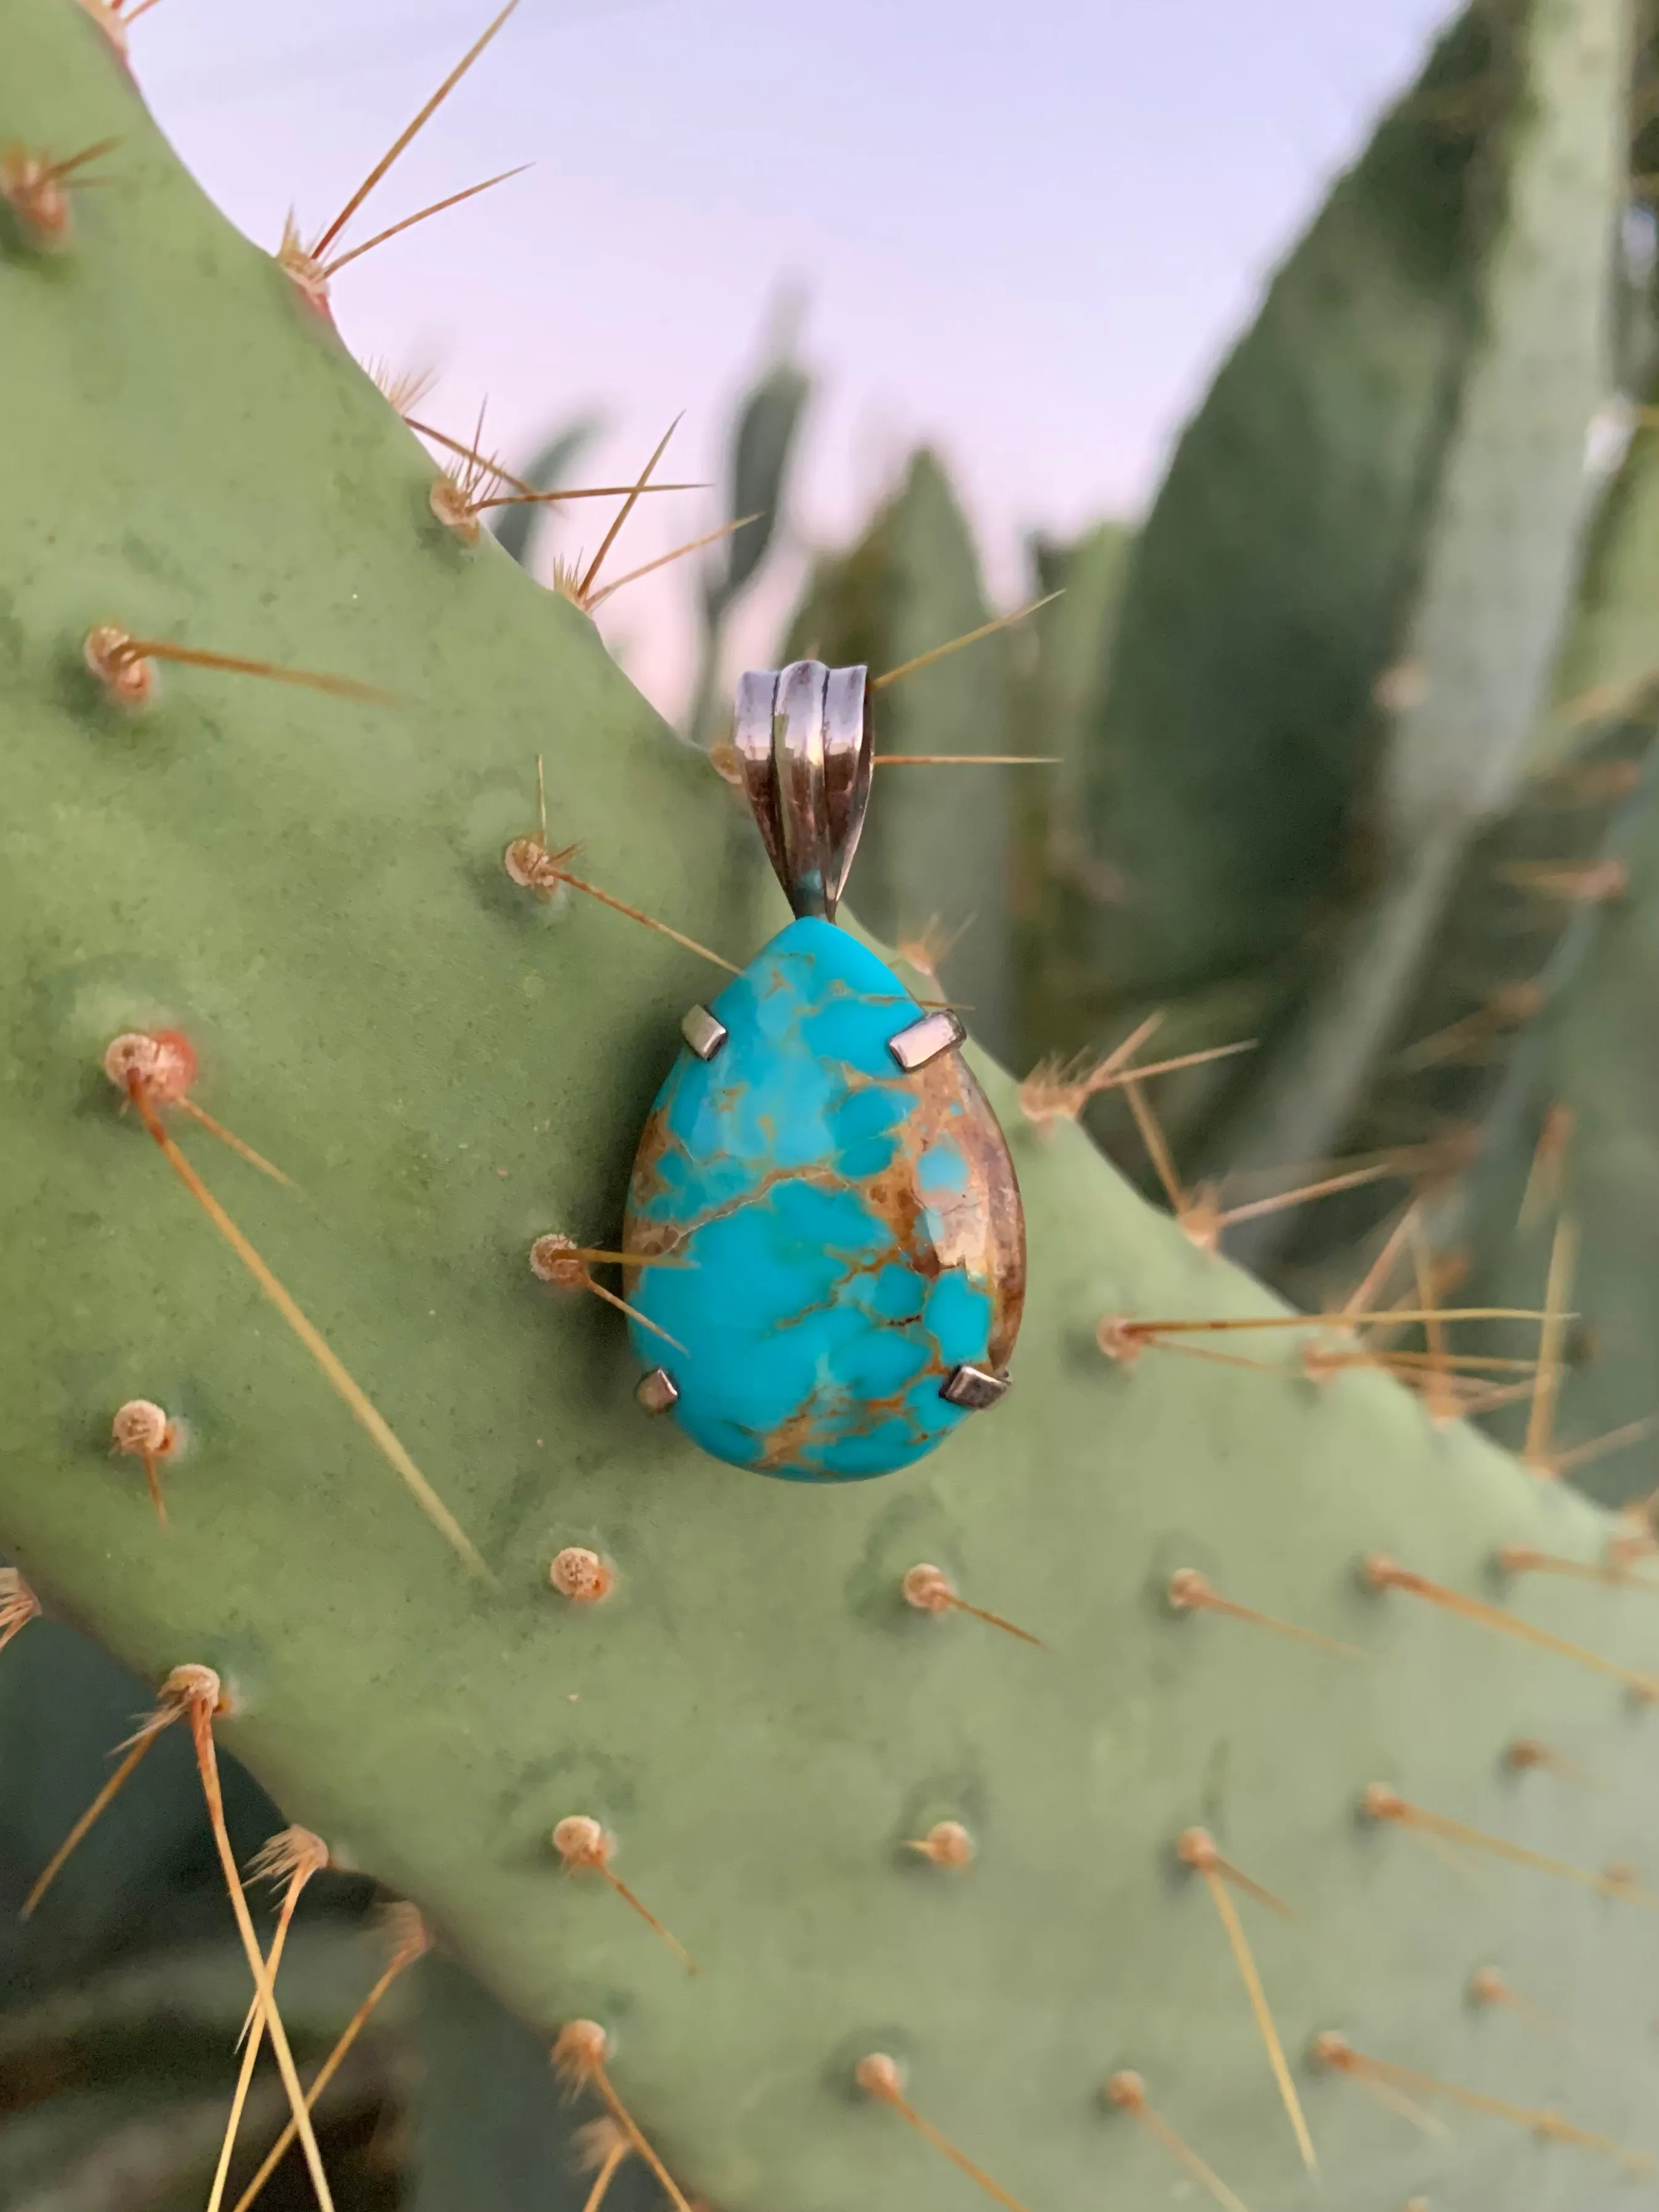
<point x="307" y="889"/>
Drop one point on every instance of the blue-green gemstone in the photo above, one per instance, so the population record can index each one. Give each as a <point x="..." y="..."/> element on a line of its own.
<point x="852" y="1232"/>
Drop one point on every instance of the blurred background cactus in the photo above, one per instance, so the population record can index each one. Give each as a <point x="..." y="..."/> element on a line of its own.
<point x="762" y="449"/>
<point x="518" y="528"/>
<point x="1348" y="733"/>
<point x="1345" y="758"/>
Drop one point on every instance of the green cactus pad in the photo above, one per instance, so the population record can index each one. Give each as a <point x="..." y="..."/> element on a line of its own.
<point x="311" y="891"/>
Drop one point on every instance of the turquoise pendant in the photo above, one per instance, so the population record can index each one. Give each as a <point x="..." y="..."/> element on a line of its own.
<point x="828" y="1195"/>
<point x="852" y="1232"/>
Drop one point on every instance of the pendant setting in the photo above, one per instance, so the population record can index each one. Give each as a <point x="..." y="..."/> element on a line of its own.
<point x="824" y="1179"/>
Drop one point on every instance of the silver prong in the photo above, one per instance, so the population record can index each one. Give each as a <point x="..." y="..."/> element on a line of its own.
<point x="703" y="1031"/>
<point x="657" y="1391"/>
<point x="925" y="1039"/>
<point x="973" y="1388"/>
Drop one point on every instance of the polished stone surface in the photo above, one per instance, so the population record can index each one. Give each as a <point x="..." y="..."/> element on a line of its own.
<point x="854" y="1232"/>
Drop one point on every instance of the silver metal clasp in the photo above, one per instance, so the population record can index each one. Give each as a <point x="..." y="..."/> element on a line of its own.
<point x="802" y="739"/>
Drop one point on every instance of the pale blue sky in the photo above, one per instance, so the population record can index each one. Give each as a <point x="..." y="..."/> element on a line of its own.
<point x="1026" y="231"/>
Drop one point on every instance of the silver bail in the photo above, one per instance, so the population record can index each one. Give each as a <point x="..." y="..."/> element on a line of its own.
<point x="802" y="739"/>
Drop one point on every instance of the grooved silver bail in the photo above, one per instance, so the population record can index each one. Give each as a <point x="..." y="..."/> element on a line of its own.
<point x="802" y="739"/>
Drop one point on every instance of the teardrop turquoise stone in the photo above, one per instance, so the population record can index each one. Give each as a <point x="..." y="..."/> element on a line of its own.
<point x="853" y="1232"/>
